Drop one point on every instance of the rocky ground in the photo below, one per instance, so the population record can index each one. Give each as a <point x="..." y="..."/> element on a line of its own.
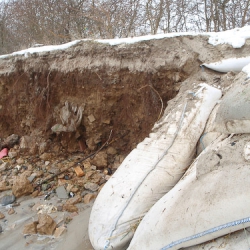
<point x="69" y="118"/>
<point x="44" y="192"/>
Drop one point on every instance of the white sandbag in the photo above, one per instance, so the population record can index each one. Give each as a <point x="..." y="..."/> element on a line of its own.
<point x="202" y="206"/>
<point x="230" y="64"/>
<point x="150" y="170"/>
<point x="234" y="241"/>
<point x="233" y="115"/>
<point x="208" y="135"/>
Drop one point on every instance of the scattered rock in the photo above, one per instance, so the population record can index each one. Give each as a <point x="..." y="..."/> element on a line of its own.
<point x="20" y="161"/>
<point x="46" y="225"/>
<point x="21" y="186"/>
<point x="74" y="200"/>
<point x="12" y="154"/>
<point x="4" y="186"/>
<point x="91" y="118"/>
<point x="32" y="177"/>
<point x="7" y="199"/>
<point x="27" y="143"/>
<point x="54" y="170"/>
<point x="59" y="231"/>
<point x="2" y="215"/>
<point x="10" y="141"/>
<point x="42" y="147"/>
<point x="91" y="186"/>
<point x="88" y="198"/>
<point x="70" y="208"/>
<point x="111" y="151"/>
<point x="30" y="228"/>
<point x="11" y="211"/>
<point x="4" y="166"/>
<point x="61" y="193"/>
<point x="35" y="193"/>
<point x="93" y="141"/>
<point x="79" y="171"/>
<point x="87" y="165"/>
<point x="46" y="156"/>
<point x="100" y="160"/>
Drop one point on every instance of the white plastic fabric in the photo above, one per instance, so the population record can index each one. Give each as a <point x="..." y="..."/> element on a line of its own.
<point x="150" y="170"/>
<point x="203" y="206"/>
<point x="230" y="64"/>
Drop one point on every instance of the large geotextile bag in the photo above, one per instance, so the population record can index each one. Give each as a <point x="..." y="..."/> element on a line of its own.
<point x="211" y="200"/>
<point x="150" y="170"/>
<point x="233" y="115"/>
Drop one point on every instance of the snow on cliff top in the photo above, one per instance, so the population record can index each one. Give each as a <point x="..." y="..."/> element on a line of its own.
<point x="235" y="37"/>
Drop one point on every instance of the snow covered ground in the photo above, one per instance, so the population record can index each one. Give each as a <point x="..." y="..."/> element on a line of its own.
<point x="235" y="37"/>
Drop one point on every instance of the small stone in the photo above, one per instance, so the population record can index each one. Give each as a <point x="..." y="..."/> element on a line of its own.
<point x="4" y="186"/>
<point x="42" y="147"/>
<point x="79" y="171"/>
<point x="11" y="211"/>
<point x="46" y="156"/>
<point x="100" y="160"/>
<point x="91" y="186"/>
<point x="30" y="228"/>
<point x="61" y="192"/>
<point x="7" y="199"/>
<point x="11" y="141"/>
<point x="59" y="231"/>
<point x="107" y="177"/>
<point x="21" y="186"/>
<point x="91" y="118"/>
<point x="2" y="215"/>
<point x="93" y="167"/>
<point x="66" y="177"/>
<point x="4" y="166"/>
<point x="69" y="187"/>
<point x="83" y="193"/>
<point x="74" y="200"/>
<point x="12" y="154"/>
<point x="47" y="163"/>
<point x="54" y="170"/>
<point x="35" y="193"/>
<point x="74" y="189"/>
<point x="88" y="198"/>
<point x="70" y="208"/>
<point x="111" y="151"/>
<point x="46" y="225"/>
<point x="87" y="165"/>
<point x="32" y="177"/>
<point x="68" y="220"/>
<point x="45" y="187"/>
<point x="20" y="161"/>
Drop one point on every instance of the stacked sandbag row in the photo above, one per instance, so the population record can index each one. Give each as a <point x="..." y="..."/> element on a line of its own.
<point x="211" y="200"/>
<point x="150" y="170"/>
